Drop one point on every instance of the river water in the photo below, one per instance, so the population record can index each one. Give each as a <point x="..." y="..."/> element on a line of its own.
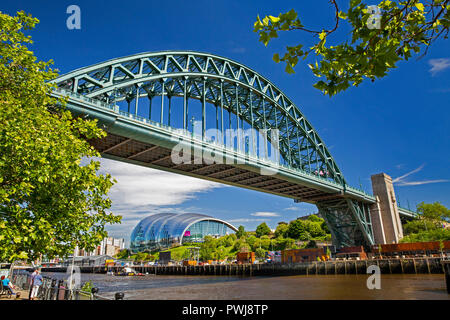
<point x="160" y="287"/>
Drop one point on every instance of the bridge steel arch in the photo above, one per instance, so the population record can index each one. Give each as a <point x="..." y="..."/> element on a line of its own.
<point x="116" y="91"/>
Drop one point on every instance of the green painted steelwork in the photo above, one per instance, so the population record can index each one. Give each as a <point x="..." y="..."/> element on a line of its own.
<point x="100" y="90"/>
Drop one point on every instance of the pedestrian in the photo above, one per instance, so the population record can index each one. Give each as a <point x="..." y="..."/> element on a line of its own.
<point x="36" y="282"/>
<point x="7" y="284"/>
<point x="31" y="282"/>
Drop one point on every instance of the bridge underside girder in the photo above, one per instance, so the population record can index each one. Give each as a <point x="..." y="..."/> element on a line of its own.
<point x="129" y="150"/>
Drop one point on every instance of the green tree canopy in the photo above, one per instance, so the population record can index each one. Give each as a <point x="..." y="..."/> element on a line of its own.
<point x="305" y="229"/>
<point x="49" y="203"/>
<point x="241" y="232"/>
<point x="433" y="211"/>
<point x="428" y="226"/>
<point x="262" y="230"/>
<point x="281" y="230"/>
<point x="377" y="43"/>
<point x="260" y="253"/>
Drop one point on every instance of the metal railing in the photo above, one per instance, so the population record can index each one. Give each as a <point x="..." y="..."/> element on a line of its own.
<point x="53" y="289"/>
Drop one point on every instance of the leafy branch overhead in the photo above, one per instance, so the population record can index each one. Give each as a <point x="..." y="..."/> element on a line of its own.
<point x="371" y="50"/>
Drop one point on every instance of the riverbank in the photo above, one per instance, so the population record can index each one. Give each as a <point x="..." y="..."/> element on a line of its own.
<point x="431" y="265"/>
<point x="23" y="295"/>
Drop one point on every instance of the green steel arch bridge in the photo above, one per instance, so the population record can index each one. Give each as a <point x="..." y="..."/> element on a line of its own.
<point x="148" y="104"/>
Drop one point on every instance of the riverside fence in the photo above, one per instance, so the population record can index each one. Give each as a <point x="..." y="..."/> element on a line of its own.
<point x="53" y="289"/>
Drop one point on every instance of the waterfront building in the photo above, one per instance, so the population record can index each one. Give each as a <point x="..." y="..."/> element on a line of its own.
<point x="86" y="261"/>
<point x="165" y="230"/>
<point x="109" y="246"/>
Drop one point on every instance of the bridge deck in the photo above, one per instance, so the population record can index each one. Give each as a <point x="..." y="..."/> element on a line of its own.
<point x="130" y="150"/>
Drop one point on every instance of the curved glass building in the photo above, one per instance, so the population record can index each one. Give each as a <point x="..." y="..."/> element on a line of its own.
<point x="164" y="230"/>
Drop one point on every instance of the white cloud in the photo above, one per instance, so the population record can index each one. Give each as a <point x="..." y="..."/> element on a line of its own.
<point x="417" y="183"/>
<point x="399" y="181"/>
<point x="438" y="65"/>
<point x="142" y="191"/>
<point x="141" y="186"/>
<point x="265" y="214"/>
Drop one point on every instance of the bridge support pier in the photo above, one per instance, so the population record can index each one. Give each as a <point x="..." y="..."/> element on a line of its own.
<point x="386" y="224"/>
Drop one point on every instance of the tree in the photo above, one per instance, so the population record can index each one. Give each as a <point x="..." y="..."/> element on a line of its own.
<point x="208" y="248"/>
<point x="252" y="240"/>
<point x="430" y="235"/>
<point x="241" y="246"/>
<point x="315" y="229"/>
<point x="420" y="225"/>
<point x="221" y="253"/>
<point x="378" y="42"/>
<point x="265" y="242"/>
<point x="49" y="202"/>
<point x="262" y="230"/>
<point x="260" y="253"/>
<point x="241" y="232"/>
<point x="281" y="230"/>
<point x="123" y="254"/>
<point x="433" y="211"/>
<point x="315" y="218"/>
<point x="311" y="244"/>
<point x="296" y="228"/>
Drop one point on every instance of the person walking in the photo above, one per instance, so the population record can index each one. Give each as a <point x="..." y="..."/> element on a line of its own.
<point x="36" y="282"/>
<point x="31" y="283"/>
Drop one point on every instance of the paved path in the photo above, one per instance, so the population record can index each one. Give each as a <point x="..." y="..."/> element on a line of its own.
<point x="23" y="295"/>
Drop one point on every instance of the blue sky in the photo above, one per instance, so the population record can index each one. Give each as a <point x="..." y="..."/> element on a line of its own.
<point x="398" y="125"/>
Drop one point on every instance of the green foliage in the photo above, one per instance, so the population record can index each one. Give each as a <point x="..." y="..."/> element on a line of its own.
<point x="253" y="242"/>
<point x="281" y="230"/>
<point x="49" y="203"/>
<point x="87" y="286"/>
<point x="123" y="254"/>
<point x="311" y="244"/>
<point x="260" y="253"/>
<point x="428" y="225"/>
<point x="241" y="245"/>
<point x="241" y="232"/>
<point x="420" y="225"/>
<point x="208" y="248"/>
<point x="314" y="218"/>
<point x="284" y="243"/>
<point x="305" y="229"/>
<point x="406" y="28"/>
<point x="262" y="229"/>
<point x="142" y="257"/>
<point x="433" y="211"/>
<point x="430" y="235"/>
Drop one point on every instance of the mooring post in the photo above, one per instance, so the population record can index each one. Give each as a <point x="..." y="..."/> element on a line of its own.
<point x="446" y="265"/>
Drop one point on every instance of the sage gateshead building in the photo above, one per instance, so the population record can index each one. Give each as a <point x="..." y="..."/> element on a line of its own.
<point x="165" y="230"/>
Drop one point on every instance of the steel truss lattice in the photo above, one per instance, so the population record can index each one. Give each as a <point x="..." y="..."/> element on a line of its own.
<point x="349" y="221"/>
<point x="226" y="84"/>
<point x="154" y="79"/>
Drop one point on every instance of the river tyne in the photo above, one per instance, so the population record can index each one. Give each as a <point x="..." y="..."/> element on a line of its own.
<point x="301" y="287"/>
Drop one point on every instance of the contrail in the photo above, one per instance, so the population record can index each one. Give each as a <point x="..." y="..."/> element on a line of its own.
<point x="416" y="183"/>
<point x="407" y="174"/>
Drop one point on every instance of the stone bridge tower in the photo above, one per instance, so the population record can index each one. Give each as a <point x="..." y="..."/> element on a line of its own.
<point x="386" y="224"/>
